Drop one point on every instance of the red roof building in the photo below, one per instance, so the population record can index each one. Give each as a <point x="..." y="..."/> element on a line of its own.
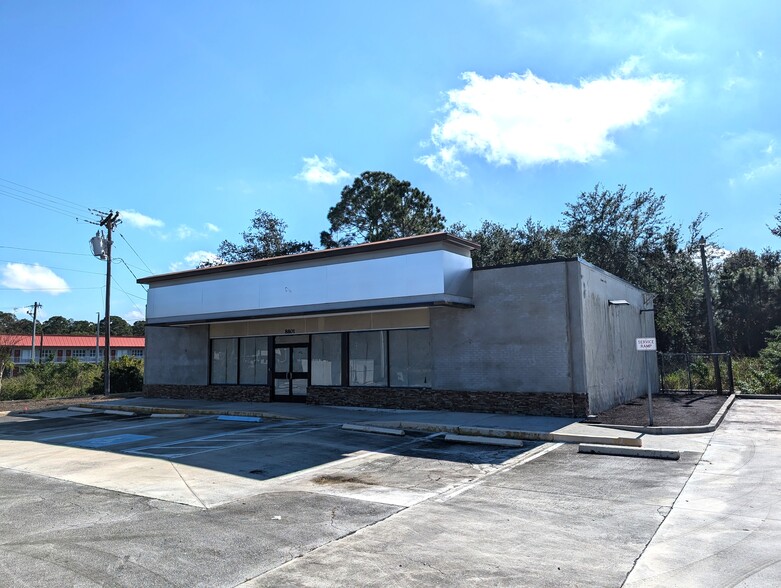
<point x="60" y="347"/>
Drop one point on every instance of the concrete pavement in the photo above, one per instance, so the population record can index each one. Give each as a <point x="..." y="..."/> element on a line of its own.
<point x="725" y="527"/>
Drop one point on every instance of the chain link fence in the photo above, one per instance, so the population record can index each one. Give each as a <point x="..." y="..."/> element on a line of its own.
<point x="696" y="372"/>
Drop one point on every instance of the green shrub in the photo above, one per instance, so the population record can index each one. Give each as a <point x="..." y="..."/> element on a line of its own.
<point x="762" y="375"/>
<point x="127" y="376"/>
<point x="50" y="379"/>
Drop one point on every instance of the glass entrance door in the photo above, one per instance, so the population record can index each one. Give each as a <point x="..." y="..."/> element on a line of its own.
<point x="291" y="371"/>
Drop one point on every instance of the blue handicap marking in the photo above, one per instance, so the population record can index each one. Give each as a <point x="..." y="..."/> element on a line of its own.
<point x="96" y="442"/>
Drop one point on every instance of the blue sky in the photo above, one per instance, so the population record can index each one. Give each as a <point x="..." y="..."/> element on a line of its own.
<point x="189" y="116"/>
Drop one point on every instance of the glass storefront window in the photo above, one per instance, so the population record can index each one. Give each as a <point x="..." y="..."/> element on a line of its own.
<point x="224" y="362"/>
<point x="254" y="360"/>
<point x="368" y="353"/>
<point x="327" y="360"/>
<point x="410" y="358"/>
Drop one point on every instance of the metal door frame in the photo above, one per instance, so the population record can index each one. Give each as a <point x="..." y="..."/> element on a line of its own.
<point x="290" y="375"/>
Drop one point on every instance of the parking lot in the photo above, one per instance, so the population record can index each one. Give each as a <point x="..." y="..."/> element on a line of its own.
<point x="207" y="462"/>
<point x="97" y="500"/>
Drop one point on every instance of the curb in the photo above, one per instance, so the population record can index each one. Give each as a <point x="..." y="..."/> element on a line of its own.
<point x="196" y="411"/>
<point x="371" y="429"/>
<point x="495" y="441"/>
<point x="510" y="433"/>
<point x="629" y="451"/>
<point x="745" y="396"/>
<point x="709" y="428"/>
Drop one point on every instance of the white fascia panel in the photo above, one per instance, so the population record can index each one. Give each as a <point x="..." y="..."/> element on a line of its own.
<point x="345" y="283"/>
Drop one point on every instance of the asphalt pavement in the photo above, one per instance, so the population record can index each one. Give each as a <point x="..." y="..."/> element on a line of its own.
<point x="93" y="499"/>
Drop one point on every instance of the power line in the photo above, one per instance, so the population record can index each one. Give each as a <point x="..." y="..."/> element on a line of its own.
<point x="43" y="251"/>
<point x="131" y="271"/>
<point x="136" y="252"/>
<point x="47" y="289"/>
<point x="62" y="211"/>
<point x="44" y="195"/>
<point x="128" y="296"/>
<point x="65" y="269"/>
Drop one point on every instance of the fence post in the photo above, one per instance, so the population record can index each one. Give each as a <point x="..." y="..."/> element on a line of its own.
<point x="729" y="373"/>
<point x="660" y="359"/>
<point x="689" y="372"/>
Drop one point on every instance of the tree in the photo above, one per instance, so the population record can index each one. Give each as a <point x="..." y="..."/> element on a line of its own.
<point x="776" y="230"/>
<point x="628" y="235"/>
<point x="378" y="206"/>
<point x="748" y="299"/>
<point x="264" y="238"/>
<point x="57" y="325"/>
<point x="119" y="327"/>
<point x="7" y="344"/>
<point x="500" y="245"/>
<point x="139" y="328"/>
<point x="9" y="323"/>
<point x="83" y="328"/>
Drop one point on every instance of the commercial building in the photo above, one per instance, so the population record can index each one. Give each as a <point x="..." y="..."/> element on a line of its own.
<point x="406" y="323"/>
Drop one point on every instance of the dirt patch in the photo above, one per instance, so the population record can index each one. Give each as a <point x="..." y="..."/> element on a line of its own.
<point x="670" y="410"/>
<point x="20" y="407"/>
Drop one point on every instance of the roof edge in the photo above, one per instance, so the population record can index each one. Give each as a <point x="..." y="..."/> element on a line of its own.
<point x="313" y="255"/>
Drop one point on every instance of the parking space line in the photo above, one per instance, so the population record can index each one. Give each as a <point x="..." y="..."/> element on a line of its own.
<point x="146" y="424"/>
<point x="228" y="443"/>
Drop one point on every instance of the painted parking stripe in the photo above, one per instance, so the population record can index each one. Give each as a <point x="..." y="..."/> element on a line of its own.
<point x="241" y="419"/>
<point x="220" y="441"/>
<point x="145" y="425"/>
<point x="97" y="442"/>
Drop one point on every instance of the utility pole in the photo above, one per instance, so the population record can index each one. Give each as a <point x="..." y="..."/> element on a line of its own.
<point x="109" y="221"/>
<point x="34" y="314"/>
<point x="101" y="248"/>
<point x="709" y="311"/>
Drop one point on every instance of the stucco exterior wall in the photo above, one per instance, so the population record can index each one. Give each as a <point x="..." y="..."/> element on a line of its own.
<point x="520" y="336"/>
<point x="616" y="371"/>
<point x="177" y="355"/>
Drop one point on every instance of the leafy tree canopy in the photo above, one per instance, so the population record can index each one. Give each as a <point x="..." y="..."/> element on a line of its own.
<point x="264" y="238"/>
<point x="378" y="206"/>
<point x="500" y="245"/>
<point x="628" y="234"/>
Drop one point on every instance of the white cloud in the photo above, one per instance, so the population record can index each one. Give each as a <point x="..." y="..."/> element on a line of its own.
<point x="134" y="315"/>
<point x="29" y="278"/>
<point x="525" y="120"/>
<point x="764" y="170"/>
<point x="140" y="221"/>
<point x="194" y="259"/>
<point x="183" y="232"/>
<point x="444" y="163"/>
<point x="321" y="171"/>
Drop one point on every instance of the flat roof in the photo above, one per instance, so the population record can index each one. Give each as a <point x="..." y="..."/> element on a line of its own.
<point x="313" y="255"/>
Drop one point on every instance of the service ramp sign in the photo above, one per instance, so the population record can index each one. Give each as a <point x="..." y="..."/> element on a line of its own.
<point x="646" y="344"/>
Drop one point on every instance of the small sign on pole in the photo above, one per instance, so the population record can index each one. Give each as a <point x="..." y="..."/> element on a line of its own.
<point x="646" y="343"/>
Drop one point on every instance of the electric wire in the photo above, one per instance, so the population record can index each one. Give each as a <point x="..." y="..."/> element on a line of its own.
<point x="131" y="271"/>
<point x="44" y="195"/>
<point x="65" y="269"/>
<point x="44" y="251"/>
<point x="47" y="289"/>
<point x="128" y="295"/>
<point x="136" y="252"/>
<point x="63" y="212"/>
